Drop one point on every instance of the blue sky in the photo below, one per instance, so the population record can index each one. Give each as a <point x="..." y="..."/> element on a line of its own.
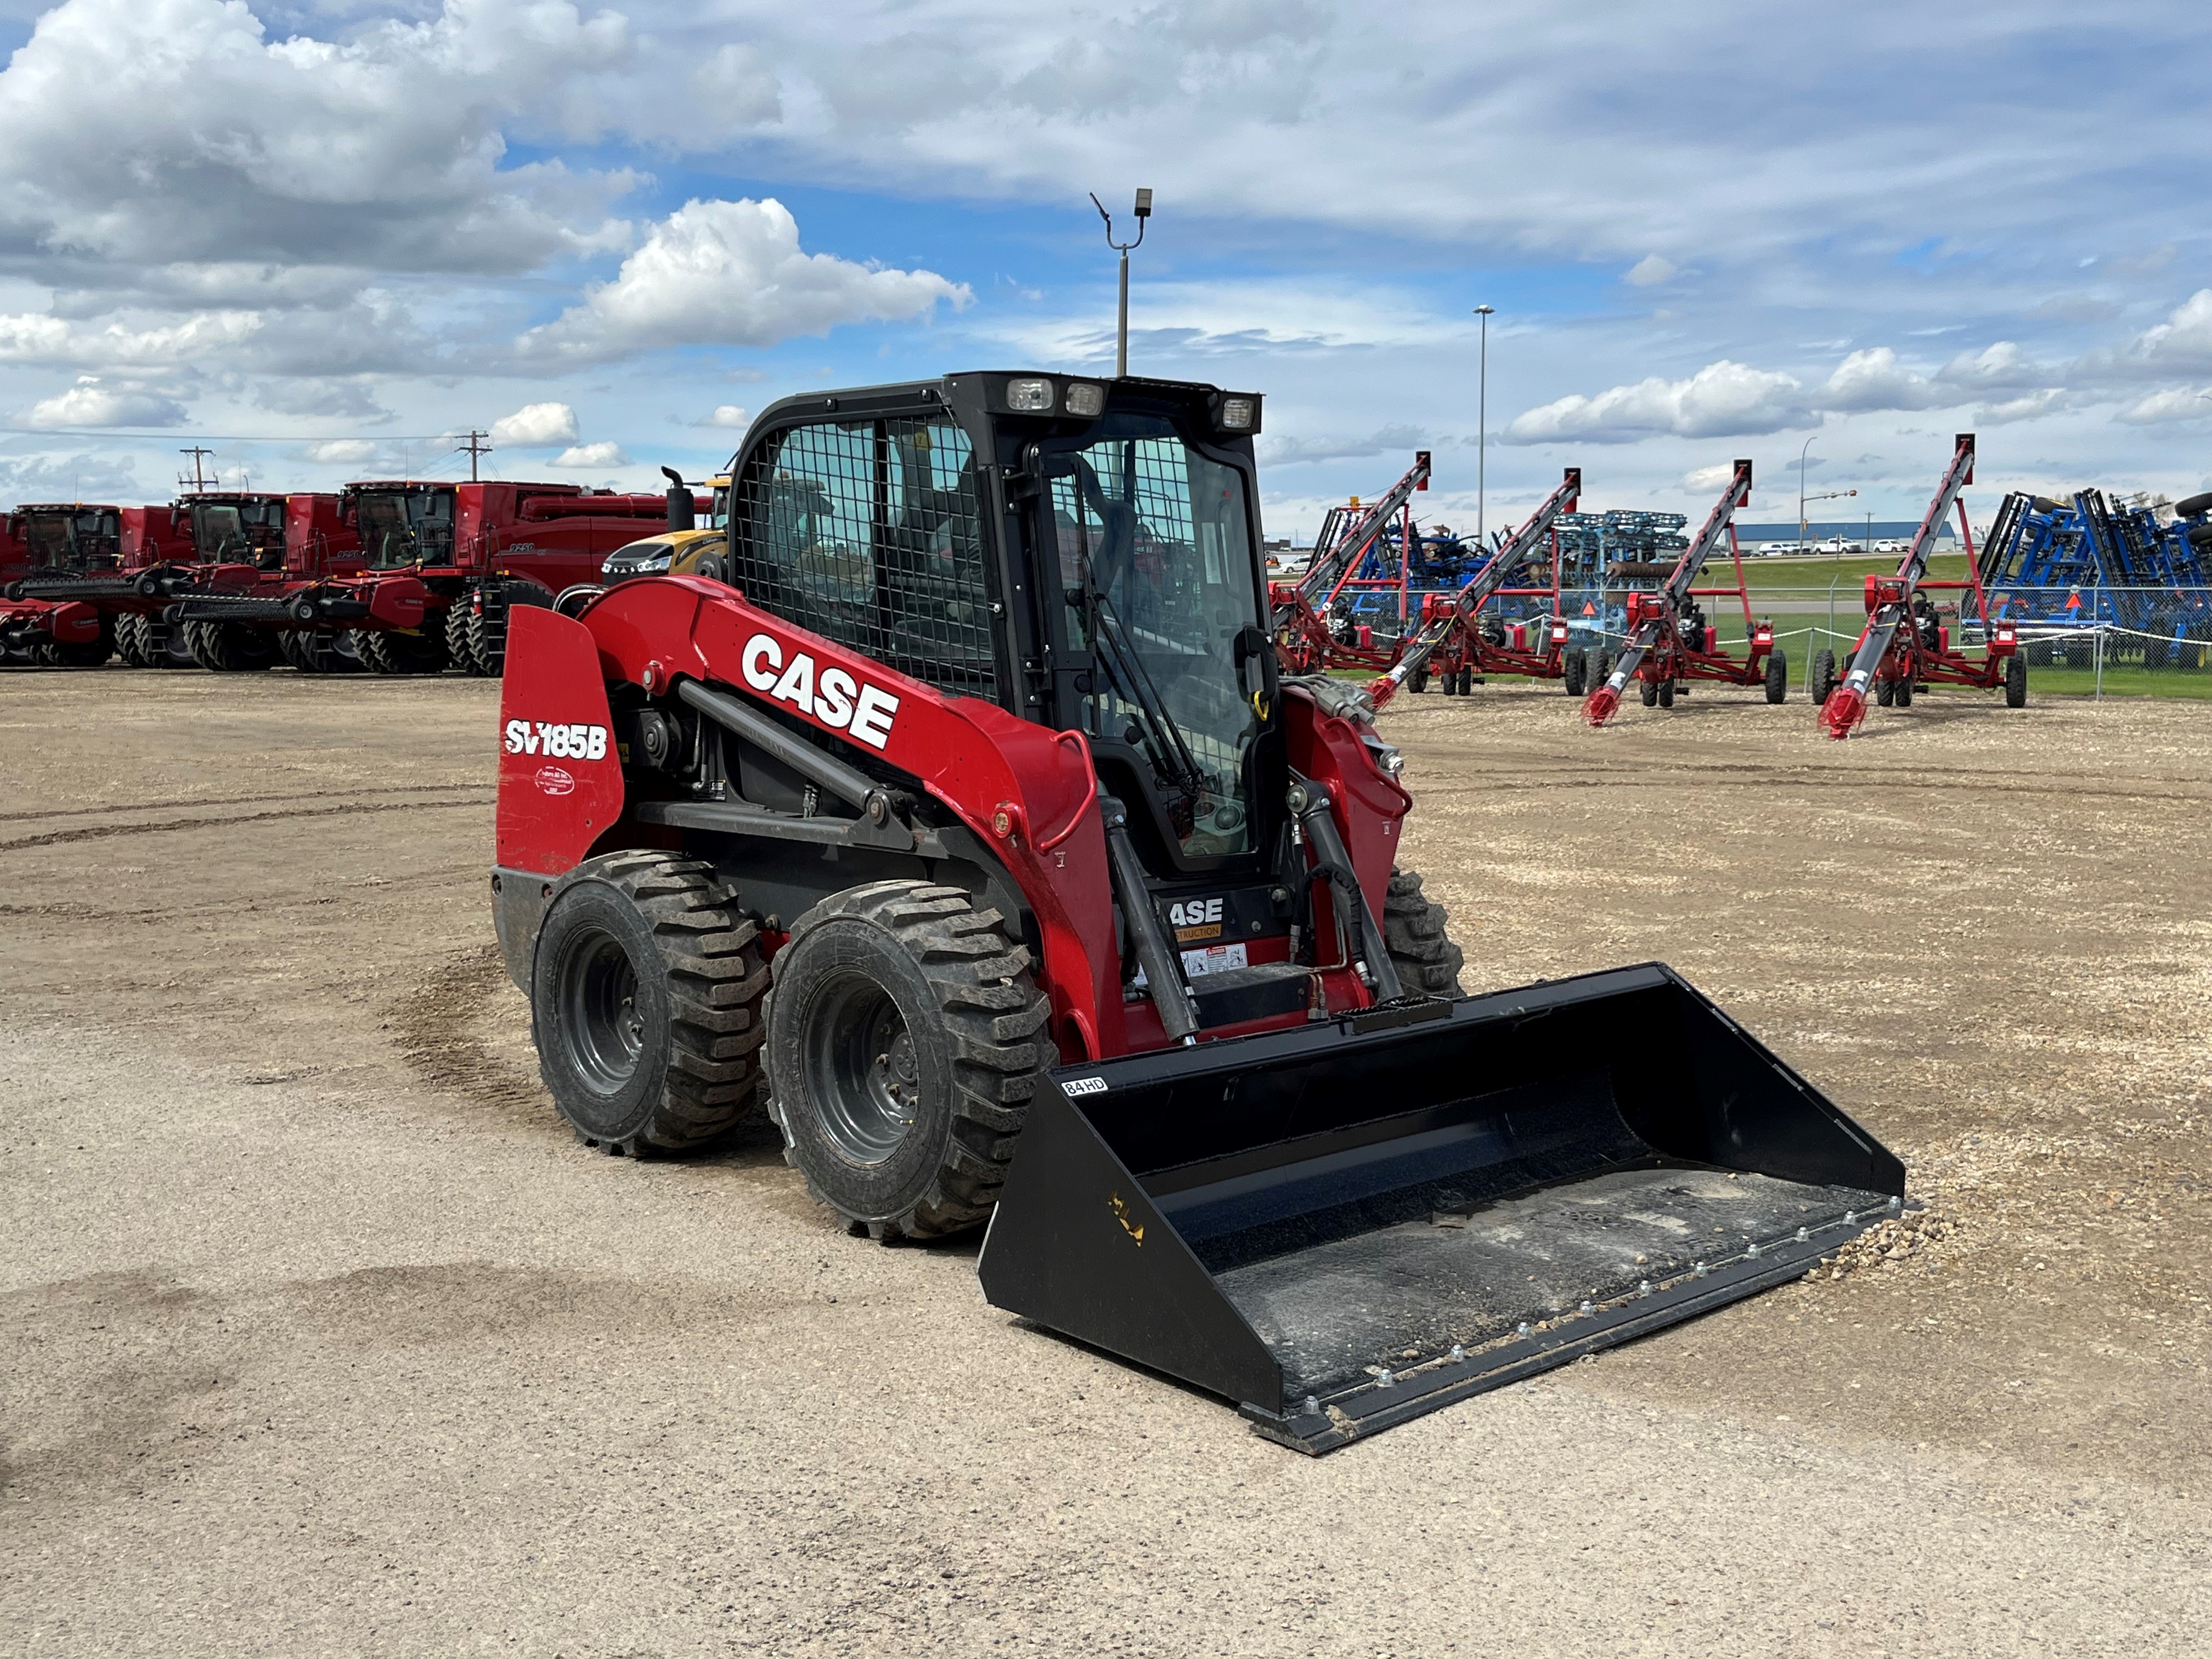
<point x="326" y="234"/>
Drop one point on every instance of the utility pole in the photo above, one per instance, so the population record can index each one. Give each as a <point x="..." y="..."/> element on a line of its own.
<point x="1121" y="330"/>
<point x="197" y="455"/>
<point x="475" y="449"/>
<point x="1482" y="429"/>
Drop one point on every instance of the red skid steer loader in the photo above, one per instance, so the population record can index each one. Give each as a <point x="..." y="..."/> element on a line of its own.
<point x="959" y="818"/>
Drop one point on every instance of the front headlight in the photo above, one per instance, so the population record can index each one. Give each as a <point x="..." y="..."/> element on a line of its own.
<point x="1086" y="400"/>
<point x="655" y="564"/>
<point x="1030" y="397"/>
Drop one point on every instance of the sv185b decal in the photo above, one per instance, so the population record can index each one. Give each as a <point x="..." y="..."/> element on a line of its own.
<point x="574" y="741"/>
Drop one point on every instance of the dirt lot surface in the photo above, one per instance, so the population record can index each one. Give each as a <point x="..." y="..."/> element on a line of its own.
<point x="319" y="1334"/>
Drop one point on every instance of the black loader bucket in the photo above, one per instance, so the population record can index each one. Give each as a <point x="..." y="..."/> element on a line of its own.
<point x="1345" y="1226"/>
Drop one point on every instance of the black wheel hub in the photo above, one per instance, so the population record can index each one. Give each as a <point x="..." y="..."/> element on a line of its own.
<point x="864" y="1075"/>
<point x="602" y="1027"/>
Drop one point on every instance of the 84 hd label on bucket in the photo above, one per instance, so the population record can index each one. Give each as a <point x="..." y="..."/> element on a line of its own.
<point x="571" y="740"/>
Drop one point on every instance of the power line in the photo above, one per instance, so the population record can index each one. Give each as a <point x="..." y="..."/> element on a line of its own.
<point x="122" y="434"/>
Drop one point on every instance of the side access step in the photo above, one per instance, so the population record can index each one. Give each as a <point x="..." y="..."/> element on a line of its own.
<point x="1346" y="1226"/>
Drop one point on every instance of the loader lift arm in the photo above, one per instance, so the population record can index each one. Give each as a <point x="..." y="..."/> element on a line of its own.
<point x="1512" y="553"/>
<point x="1657" y="611"/>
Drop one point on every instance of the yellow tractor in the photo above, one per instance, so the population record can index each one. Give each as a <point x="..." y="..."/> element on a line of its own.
<point x="678" y="551"/>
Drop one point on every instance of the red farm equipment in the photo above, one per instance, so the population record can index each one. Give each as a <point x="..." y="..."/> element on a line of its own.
<point x="1906" y="646"/>
<point x="1457" y="642"/>
<point x="1669" y="640"/>
<point x="436" y="568"/>
<point x="50" y="544"/>
<point x="1083" y="921"/>
<point x="1308" y="636"/>
<point x="205" y="541"/>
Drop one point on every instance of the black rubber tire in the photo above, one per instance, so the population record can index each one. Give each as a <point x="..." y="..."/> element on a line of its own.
<point x="487" y="645"/>
<point x="2015" y="680"/>
<point x="387" y="650"/>
<point x="2189" y="505"/>
<point x="674" y="1061"/>
<point x="2081" y="653"/>
<point x="1666" y="694"/>
<point x="166" y="645"/>
<point x="914" y="1141"/>
<point x="318" y="650"/>
<point x="1778" y="677"/>
<point x="1466" y="682"/>
<point x="1824" y="677"/>
<point x="230" y="649"/>
<point x="1576" y="668"/>
<point x="51" y="653"/>
<point x="1450" y="686"/>
<point x="2038" y="652"/>
<point x="1603" y="671"/>
<point x="131" y="640"/>
<point x="1884" y="692"/>
<point x="1903" y="697"/>
<point x="460" y="649"/>
<point x="2200" y="535"/>
<point x="1418" y="681"/>
<point x="1649" y="690"/>
<point x="1418" y="932"/>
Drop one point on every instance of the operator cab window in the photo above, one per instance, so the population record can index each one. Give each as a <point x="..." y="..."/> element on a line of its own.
<point x="868" y="532"/>
<point x="1154" y="550"/>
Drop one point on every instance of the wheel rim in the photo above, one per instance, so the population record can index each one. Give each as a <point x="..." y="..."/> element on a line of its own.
<point x="601" y="1027"/>
<point x="865" y="1077"/>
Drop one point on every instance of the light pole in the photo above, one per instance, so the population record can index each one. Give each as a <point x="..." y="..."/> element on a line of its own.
<point x="1122" y="332"/>
<point x="1824" y="495"/>
<point x="1482" y="429"/>
<point x="1801" y="495"/>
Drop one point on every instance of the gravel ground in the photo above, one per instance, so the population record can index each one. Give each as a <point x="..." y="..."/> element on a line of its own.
<point x="318" y="1334"/>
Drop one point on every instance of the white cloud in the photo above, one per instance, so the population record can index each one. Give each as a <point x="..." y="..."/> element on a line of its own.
<point x="1276" y="449"/>
<point x="340" y="452"/>
<point x="535" y="426"/>
<point x="2174" y="403"/>
<point x="90" y="403"/>
<point x="209" y="142"/>
<point x="2184" y="338"/>
<point x="724" y="415"/>
<point x="1650" y="272"/>
<point x="1703" y="480"/>
<point x="731" y="273"/>
<point x="1722" y="399"/>
<point x="1874" y="378"/>
<point x="32" y="339"/>
<point x="592" y="456"/>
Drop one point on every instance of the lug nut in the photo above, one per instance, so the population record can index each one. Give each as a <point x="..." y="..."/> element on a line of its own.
<point x="1458" y="1353"/>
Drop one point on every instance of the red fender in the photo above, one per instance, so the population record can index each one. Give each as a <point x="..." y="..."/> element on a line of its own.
<point x="1030" y="792"/>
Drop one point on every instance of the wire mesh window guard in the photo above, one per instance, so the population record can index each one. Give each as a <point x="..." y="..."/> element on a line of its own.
<point x="870" y="533"/>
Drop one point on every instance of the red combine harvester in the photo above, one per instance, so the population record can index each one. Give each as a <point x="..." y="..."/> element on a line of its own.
<point x="1906" y="646"/>
<point x="1082" y="921"/>
<point x="49" y="543"/>
<point x="1299" y="611"/>
<point x="437" y="567"/>
<point x="1669" y="640"/>
<point x="225" y="541"/>
<point x="1456" y="641"/>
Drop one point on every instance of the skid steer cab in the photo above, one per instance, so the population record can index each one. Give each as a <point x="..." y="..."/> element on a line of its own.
<point x="970" y="785"/>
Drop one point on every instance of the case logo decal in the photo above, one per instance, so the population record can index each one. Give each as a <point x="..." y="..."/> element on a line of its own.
<point x="862" y="711"/>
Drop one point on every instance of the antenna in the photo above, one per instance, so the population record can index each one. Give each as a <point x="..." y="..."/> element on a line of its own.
<point x="199" y="481"/>
<point x="1122" y="335"/>
<point x="475" y="449"/>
